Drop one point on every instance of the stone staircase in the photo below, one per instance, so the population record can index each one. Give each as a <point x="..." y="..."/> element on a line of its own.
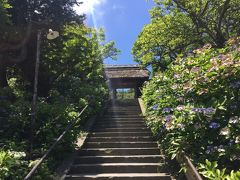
<point x="119" y="147"/>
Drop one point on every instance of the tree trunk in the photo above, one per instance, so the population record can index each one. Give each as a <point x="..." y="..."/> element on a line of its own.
<point x="220" y="39"/>
<point x="3" y="76"/>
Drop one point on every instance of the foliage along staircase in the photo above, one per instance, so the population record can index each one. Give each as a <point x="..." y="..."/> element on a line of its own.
<point x="121" y="147"/>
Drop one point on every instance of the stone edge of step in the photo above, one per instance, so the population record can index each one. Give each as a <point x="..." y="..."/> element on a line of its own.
<point x="120" y="175"/>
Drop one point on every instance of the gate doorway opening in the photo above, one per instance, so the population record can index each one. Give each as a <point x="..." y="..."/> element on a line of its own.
<point x="126" y="93"/>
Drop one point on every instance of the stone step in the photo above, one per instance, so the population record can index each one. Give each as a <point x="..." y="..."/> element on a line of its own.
<point x="119" y="125"/>
<point x="120" y="130"/>
<point x="120" y="122"/>
<point x="119" y="176"/>
<point x="120" y="139"/>
<point x="117" y="159"/>
<point x="129" y="116"/>
<point x="121" y="116"/>
<point x="127" y="108"/>
<point x="124" y="106"/>
<point x="137" y="111"/>
<point x="137" y="125"/>
<point x="126" y="117"/>
<point x="122" y="119"/>
<point x="130" y="109"/>
<point x="119" y="144"/>
<point x="118" y="134"/>
<point x="118" y="151"/>
<point x="116" y="168"/>
<point x="123" y="113"/>
<point x="123" y="110"/>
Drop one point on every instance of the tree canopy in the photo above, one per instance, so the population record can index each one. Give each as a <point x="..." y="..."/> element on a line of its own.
<point x="18" y="39"/>
<point x="180" y="26"/>
<point x="22" y="20"/>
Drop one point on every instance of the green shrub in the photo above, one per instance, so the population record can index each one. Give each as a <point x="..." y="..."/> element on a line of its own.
<point x="194" y="105"/>
<point x="77" y="80"/>
<point x="12" y="165"/>
<point x="210" y="171"/>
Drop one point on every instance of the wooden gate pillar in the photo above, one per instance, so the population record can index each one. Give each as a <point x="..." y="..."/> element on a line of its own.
<point x="114" y="93"/>
<point x="137" y="93"/>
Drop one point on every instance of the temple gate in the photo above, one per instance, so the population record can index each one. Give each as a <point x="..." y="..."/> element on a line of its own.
<point x="126" y="76"/>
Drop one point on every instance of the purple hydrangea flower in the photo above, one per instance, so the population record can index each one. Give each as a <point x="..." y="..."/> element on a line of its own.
<point x="155" y="107"/>
<point x="221" y="146"/>
<point x="195" y="69"/>
<point x="197" y="110"/>
<point x="214" y="125"/>
<point x="210" y="149"/>
<point x="167" y="110"/>
<point x="181" y="99"/>
<point x="162" y="129"/>
<point x="233" y="106"/>
<point x="168" y="118"/>
<point x="176" y="76"/>
<point x="235" y="85"/>
<point x="208" y="111"/>
<point x="231" y="142"/>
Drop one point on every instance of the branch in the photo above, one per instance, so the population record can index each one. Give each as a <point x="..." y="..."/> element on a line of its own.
<point x="224" y="10"/>
<point x="197" y="20"/>
<point x="205" y="8"/>
<point x="180" y="6"/>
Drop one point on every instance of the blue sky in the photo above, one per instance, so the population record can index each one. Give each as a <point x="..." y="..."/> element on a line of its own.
<point x="122" y="21"/>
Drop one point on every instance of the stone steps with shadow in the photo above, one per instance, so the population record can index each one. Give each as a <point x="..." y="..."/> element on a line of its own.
<point x="119" y="147"/>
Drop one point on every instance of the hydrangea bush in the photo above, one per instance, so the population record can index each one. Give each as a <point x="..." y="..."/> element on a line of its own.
<point x="194" y="107"/>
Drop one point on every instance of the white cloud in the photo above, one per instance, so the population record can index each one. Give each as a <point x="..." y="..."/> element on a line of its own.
<point x="88" y="6"/>
<point x="120" y="10"/>
<point x="117" y="7"/>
